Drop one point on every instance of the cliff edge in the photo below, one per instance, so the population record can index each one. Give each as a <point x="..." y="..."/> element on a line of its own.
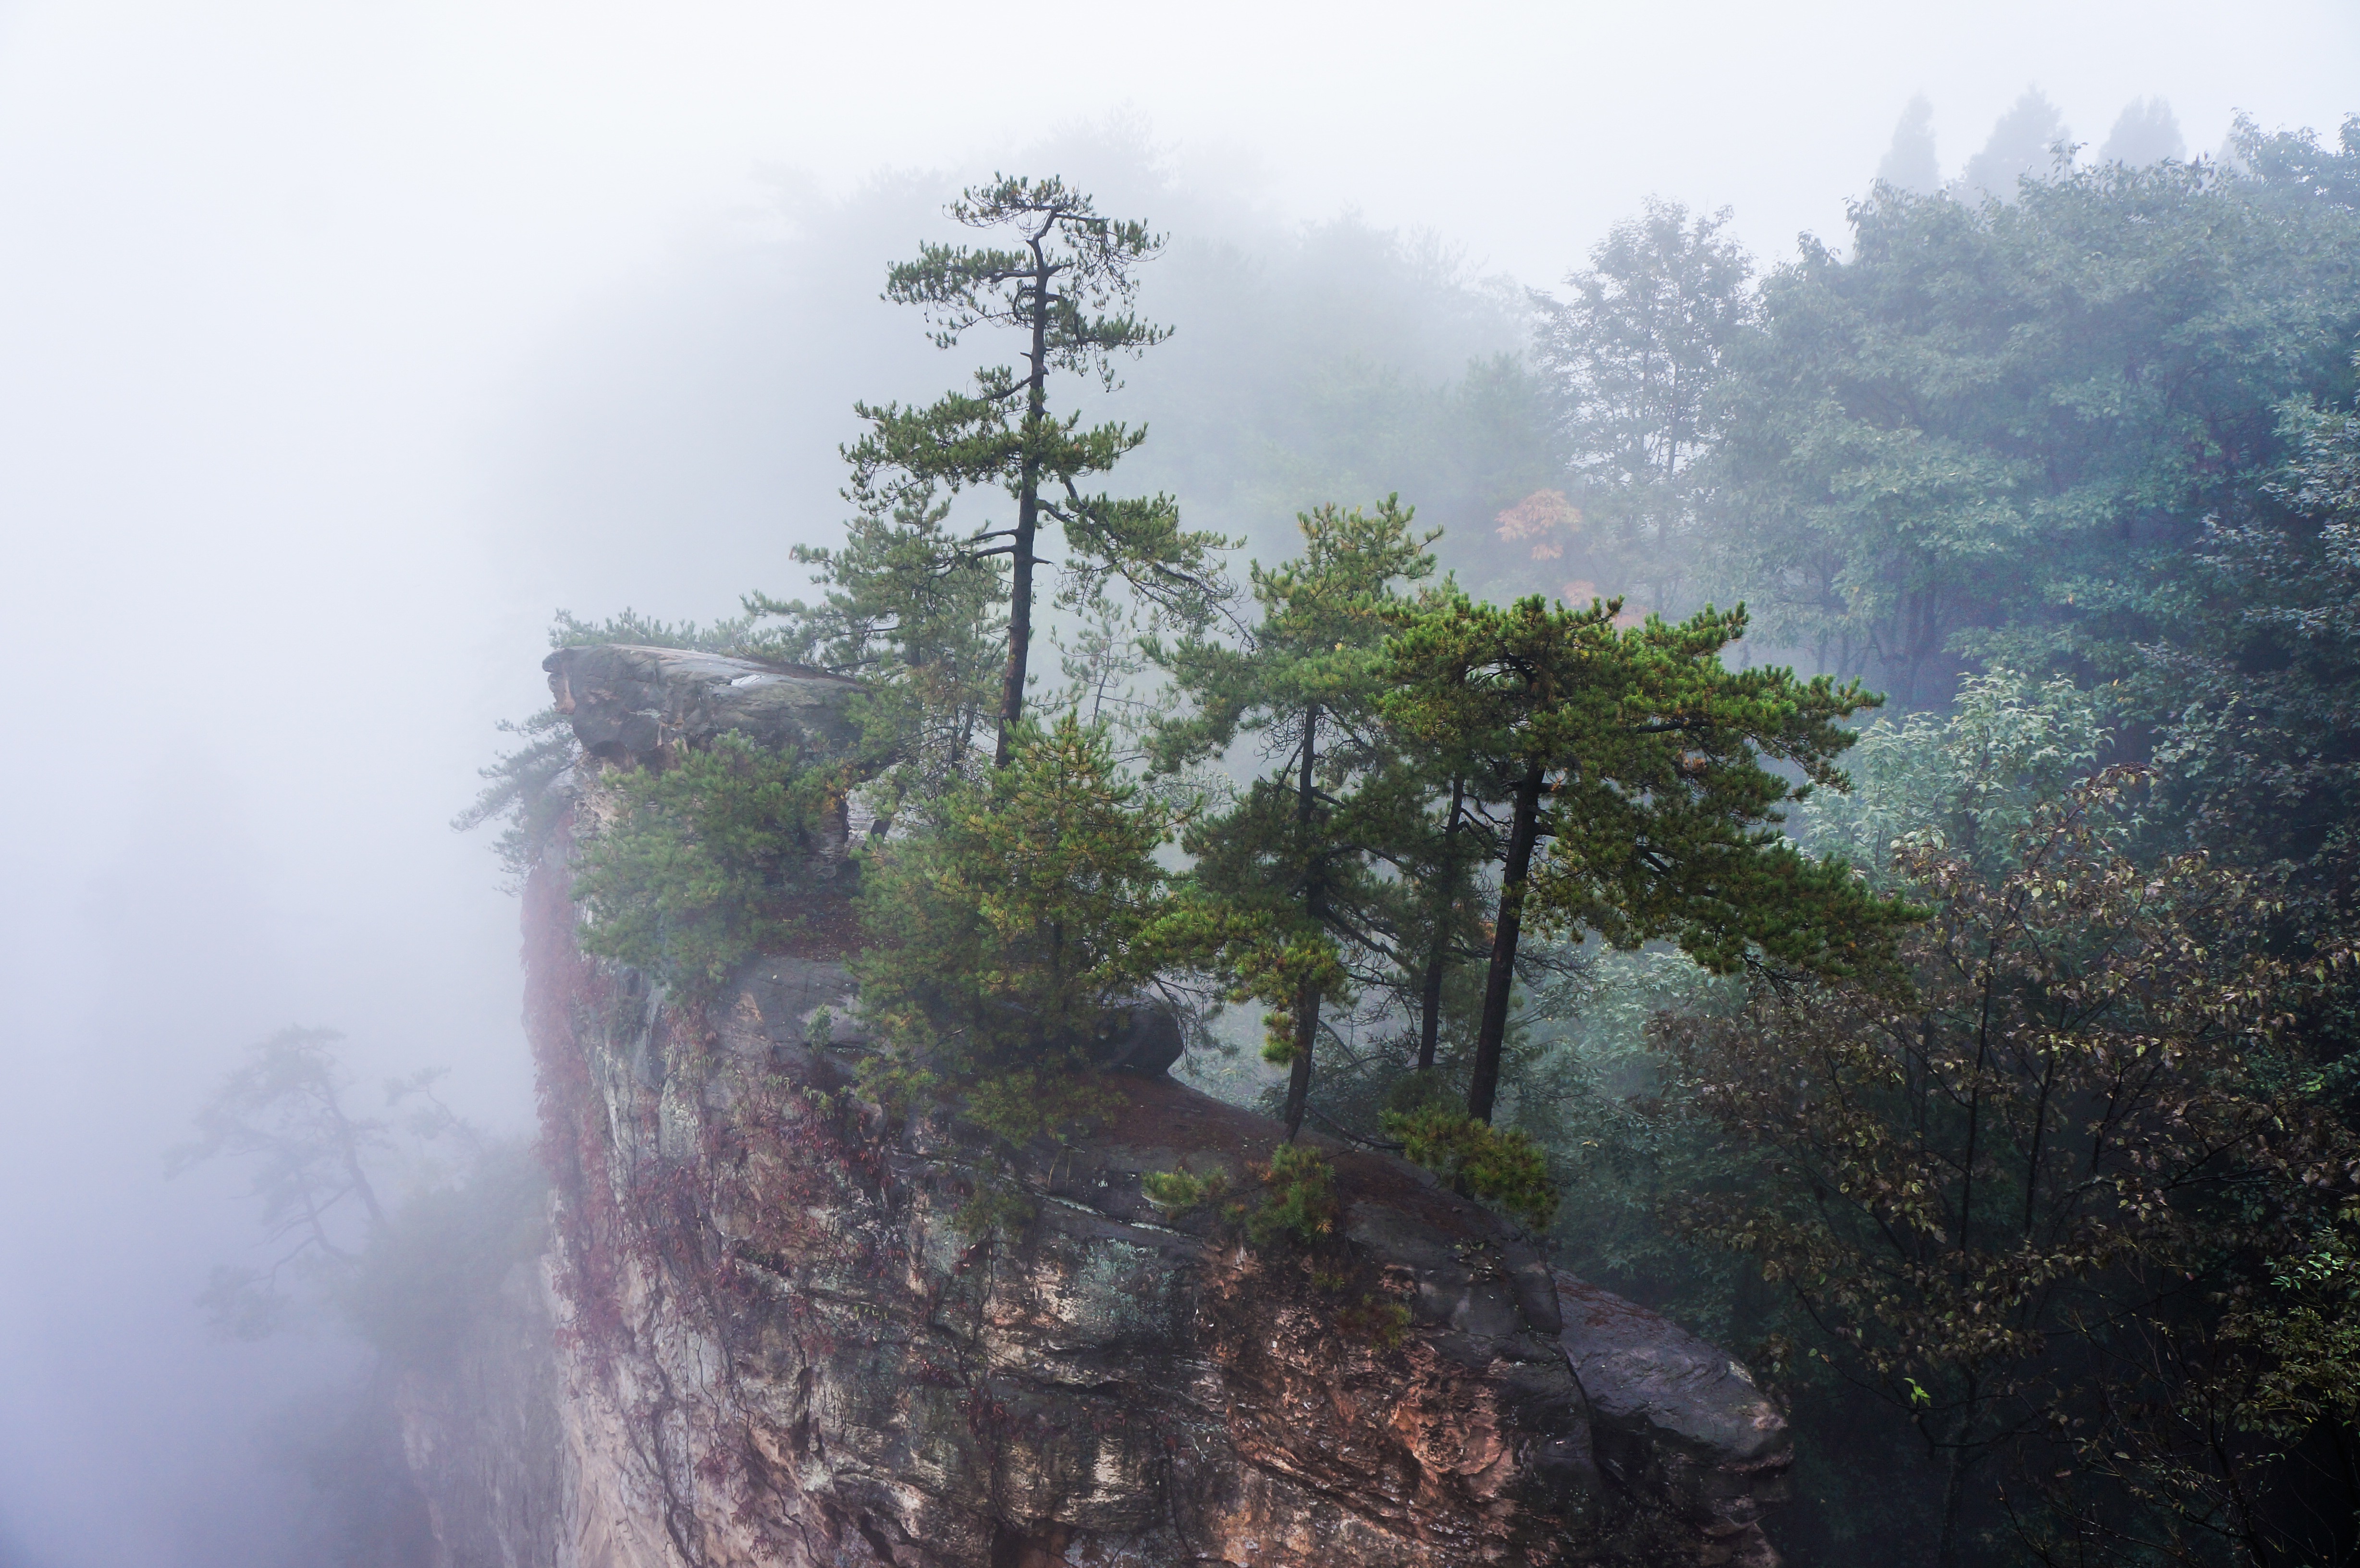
<point x="770" y="1340"/>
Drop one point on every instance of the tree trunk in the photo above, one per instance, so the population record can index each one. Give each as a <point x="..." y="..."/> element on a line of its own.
<point x="348" y="1146"/>
<point x="1954" y="1483"/>
<point x="1307" y="996"/>
<point x="1429" y="1021"/>
<point x="1946" y="1546"/>
<point x="1524" y="832"/>
<point x="1298" y="1078"/>
<point x="1019" y="620"/>
<point x="1438" y="959"/>
<point x="1028" y="524"/>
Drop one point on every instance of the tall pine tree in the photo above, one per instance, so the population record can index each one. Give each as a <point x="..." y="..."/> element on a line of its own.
<point x="1294" y="861"/>
<point x="1639" y="759"/>
<point x="1065" y="284"/>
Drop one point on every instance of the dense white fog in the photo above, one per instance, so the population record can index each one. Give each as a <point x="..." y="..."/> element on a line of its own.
<point x="340" y="343"/>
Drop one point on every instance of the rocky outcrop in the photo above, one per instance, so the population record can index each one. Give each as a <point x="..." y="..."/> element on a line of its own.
<point x="628" y="704"/>
<point x="1674" y="1419"/>
<point x="791" y="1329"/>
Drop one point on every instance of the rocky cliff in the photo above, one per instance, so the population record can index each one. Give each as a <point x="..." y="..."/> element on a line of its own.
<point x="770" y="1340"/>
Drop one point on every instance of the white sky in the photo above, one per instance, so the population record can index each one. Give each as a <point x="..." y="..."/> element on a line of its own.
<point x="274" y="278"/>
<point x="487" y="156"/>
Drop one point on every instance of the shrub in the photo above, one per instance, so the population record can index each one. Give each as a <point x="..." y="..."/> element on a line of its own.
<point x="706" y="861"/>
<point x="1022" y="1103"/>
<point x="1301" y="1200"/>
<point x="994" y="1208"/>
<point x="521" y="787"/>
<point x="1506" y="1170"/>
<point x="1177" y="1192"/>
<point x="1382" y="1322"/>
<point x="1003" y="931"/>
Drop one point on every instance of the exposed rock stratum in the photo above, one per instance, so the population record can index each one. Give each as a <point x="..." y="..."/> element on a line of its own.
<point x="761" y="1337"/>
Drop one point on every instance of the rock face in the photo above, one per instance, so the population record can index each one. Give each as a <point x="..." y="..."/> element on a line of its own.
<point x="628" y="705"/>
<point x="787" y="1333"/>
<point x="485" y="1438"/>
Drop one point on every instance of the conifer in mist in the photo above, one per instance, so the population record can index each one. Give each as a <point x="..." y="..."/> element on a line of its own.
<point x="1064" y="283"/>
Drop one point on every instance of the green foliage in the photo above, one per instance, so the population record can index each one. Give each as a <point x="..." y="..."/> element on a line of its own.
<point x="2307" y="1324"/>
<point x="2258" y="749"/>
<point x="1294" y="866"/>
<point x="1621" y="1127"/>
<point x="2102" y="432"/>
<point x="1644" y="762"/>
<point x="1299" y="1202"/>
<point x="706" y="861"/>
<point x="1177" y="1192"/>
<point x="2289" y="169"/>
<point x="995" y="1208"/>
<point x="729" y="636"/>
<point x="1998" y="432"/>
<point x="1506" y="1170"/>
<point x="1969" y="782"/>
<point x="1634" y="361"/>
<point x="921" y="622"/>
<point x="1002" y="931"/>
<point x="1023" y="1103"/>
<point x="1375" y="1321"/>
<point x="1318" y="646"/>
<point x="2013" y="1194"/>
<point x="521" y="786"/>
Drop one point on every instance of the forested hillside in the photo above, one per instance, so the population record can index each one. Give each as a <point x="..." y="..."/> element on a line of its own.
<point x="1822" y="785"/>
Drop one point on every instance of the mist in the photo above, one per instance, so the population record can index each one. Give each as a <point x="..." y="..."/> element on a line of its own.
<point x="340" y="346"/>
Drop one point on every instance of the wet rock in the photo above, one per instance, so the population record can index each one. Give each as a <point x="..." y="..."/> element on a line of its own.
<point x="631" y="704"/>
<point x="1143" y="1038"/>
<point x="1679" y="1418"/>
<point x="483" y="1435"/>
<point x="811" y="1348"/>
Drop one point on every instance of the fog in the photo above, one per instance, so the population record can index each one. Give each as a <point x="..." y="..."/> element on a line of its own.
<point x="339" y="345"/>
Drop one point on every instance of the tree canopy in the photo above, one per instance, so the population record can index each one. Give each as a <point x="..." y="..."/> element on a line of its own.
<point x="1639" y="756"/>
<point x="1999" y="431"/>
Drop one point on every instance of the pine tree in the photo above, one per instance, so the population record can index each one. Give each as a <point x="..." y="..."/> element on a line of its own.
<point x="1294" y="861"/>
<point x="1005" y="928"/>
<point x="1066" y="285"/>
<point x="1640" y="758"/>
<point x="922" y="626"/>
<point x="1441" y="864"/>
